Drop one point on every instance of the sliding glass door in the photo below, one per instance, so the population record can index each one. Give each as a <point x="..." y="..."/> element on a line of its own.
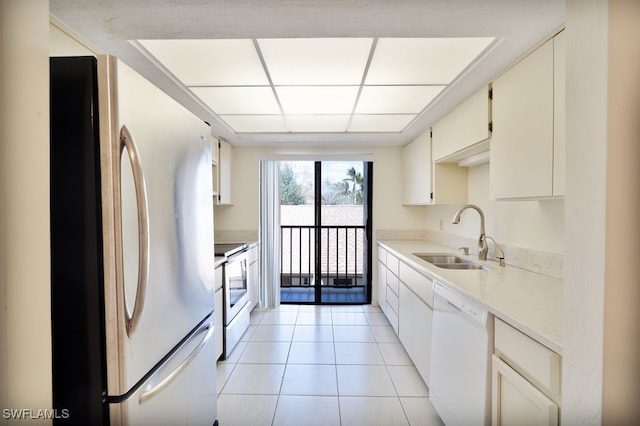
<point x="325" y="233"/>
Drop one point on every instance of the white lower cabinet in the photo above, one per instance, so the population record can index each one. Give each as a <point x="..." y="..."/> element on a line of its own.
<point x="393" y="304"/>
<point x="422" y="324"/>
<point x="393" y="299"/>
<point x="405" y="318"/>
<point x="415" y="317"/>
<point x="415" y="321"/>
<point x="518" y="402"/>
<point x="526" y="380"/>
<point x="406" y="297"/>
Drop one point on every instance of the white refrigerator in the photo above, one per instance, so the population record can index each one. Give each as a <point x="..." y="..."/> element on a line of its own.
<point x="132" y="251"/>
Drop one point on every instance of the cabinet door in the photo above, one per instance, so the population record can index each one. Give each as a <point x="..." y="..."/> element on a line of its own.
<point x="405" y="318"/>
<point x="416" y="171"/>
<point x="516" y="401"/>
<point x="522" y="140"/>
<point x="422" y="324"/>
<point x="224" y="172"/>
<point x="465" y="126"/>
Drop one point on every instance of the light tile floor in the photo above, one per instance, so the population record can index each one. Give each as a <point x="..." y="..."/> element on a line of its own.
<point x="321" y="365"/>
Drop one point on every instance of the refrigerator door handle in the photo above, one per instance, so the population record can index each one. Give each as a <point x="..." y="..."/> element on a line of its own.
<point x="132" y="319"/>
<point x="207" y="329"/>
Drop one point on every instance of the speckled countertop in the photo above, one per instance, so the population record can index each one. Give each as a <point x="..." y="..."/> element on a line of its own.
<point x="530" y="302"/>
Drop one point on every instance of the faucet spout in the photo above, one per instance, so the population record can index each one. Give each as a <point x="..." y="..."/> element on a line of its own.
<point x="483" y="248"/>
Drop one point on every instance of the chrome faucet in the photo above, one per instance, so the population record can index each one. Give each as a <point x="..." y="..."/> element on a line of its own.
<point x="482" y="240"/>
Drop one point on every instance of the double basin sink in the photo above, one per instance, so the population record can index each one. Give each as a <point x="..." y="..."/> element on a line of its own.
<point x="450" y="261"/>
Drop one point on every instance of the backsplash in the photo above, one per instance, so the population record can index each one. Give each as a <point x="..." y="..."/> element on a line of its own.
<point x="550" y="264"/>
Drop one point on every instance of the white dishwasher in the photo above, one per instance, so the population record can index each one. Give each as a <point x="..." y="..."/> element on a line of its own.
<point x="460" y="359"/>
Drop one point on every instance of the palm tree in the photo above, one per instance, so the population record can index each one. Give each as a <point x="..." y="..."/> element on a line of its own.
<point x="355" y="179"/>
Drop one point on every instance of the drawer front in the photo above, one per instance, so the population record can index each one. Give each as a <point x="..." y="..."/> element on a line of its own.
<point x="418" y="283"/>
<point x="534" y="361"/>
<point x="392" y="282"/>
<point x="392" y="317"/>
<point x="392" y="263"/>
<point x="382" y="255"/>
<point x="392" y="300"/>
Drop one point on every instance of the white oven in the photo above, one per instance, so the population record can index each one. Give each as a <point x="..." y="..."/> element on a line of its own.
<point x="235" y="294"/>
<point x="235" y="285"/>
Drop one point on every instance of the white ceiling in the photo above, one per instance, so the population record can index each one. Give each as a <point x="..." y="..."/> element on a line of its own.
<point x="250" y="67"/>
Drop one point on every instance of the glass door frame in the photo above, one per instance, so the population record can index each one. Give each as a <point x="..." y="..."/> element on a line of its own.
<point x="367" y="219"/>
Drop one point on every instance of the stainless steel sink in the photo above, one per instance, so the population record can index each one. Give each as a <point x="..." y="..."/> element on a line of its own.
<point x="441" y="258"/>
<point x="461" y="266"/>
<point x="450" y="261"/>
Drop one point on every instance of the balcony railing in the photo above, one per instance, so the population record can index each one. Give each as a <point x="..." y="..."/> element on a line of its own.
<point x="341" y="256"/>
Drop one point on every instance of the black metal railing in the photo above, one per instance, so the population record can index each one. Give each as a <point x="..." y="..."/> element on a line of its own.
<point x="340" y="251"/>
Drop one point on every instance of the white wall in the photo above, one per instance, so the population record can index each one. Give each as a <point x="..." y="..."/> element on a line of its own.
<point x="585" y="207"/>
<point x="25" y="314"/>
<point x="535" y="225"/>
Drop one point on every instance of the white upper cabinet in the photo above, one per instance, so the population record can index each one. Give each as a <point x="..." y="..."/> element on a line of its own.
<point x="465" y="126"/>
<point x="527" y="144"/>
<point x="416" y="171"/>
<point x="225" y="161"/>
<point x="425" y="182"/>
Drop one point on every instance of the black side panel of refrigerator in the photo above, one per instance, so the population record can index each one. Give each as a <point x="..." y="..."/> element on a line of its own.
<point x="77" y="279"/>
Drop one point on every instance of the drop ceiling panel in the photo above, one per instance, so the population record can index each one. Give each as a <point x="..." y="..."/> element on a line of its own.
<point x="238" y="100"/>
<point x="380" y="123"/>
<point x="316" y="61"/>
<point x="317" y="99"/>
<point x="395" y="99"/>
<point x="256" y="123"/>
<point x="423" y="60"/>
<point x="318" y="123"/>
<point x="210" y="62"/>
<point x="317" y="83"/>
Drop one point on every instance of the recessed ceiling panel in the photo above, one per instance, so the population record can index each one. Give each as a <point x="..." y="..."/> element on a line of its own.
<point x="423" y="60"/>
<point x="317" y="100"/>
<point x="318" y="123"/>
<point x="210" y="62"/>
<point x="395" y="99"/>
<point x="380" y="123"/>
<point x="238" y="100"/>
<point x="315" y="61"/>
<point x="256" y="123"/>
